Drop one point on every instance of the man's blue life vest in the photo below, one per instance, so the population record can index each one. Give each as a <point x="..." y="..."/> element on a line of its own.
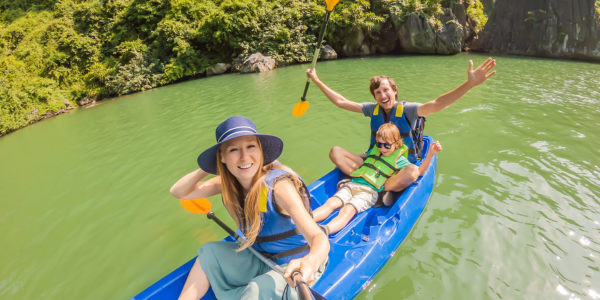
<point x="279" y="238"/>
<point x="398" y="118"/>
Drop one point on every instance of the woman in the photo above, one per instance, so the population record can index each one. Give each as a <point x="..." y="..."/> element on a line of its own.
<point x="271" y="206"/>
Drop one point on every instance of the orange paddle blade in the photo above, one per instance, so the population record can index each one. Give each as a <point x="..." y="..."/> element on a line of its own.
<point x="331" y="4"/>
<point x="197" y="206"/>
<point x="300" y="108"/>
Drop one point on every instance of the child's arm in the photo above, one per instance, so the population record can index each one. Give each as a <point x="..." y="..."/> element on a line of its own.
<point x="433" y="149"/>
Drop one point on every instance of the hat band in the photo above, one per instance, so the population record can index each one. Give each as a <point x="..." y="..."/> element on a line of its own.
<point x="236" y="130"/>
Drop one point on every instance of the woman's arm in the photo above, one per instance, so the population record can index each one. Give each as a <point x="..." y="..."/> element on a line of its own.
<point x="288" y="198"/>
<point x="433" y="150"/>
<point x="190" y="187"/>
<point x="334" y="97"/>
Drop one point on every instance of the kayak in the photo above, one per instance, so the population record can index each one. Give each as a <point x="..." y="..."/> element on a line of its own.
<point x="357" y="253"/>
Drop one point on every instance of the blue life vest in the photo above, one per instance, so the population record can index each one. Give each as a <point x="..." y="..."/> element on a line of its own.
<point x="279" y="238"/>
<point x="398" y="118"/>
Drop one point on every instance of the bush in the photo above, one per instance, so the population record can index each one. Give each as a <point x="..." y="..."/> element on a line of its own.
<point x="54" y="53"/>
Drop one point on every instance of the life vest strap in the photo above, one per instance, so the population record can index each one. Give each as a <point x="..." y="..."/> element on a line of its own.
<point x="412" y="151"/>
<point x="372" y="167"/>
<point x="277" y="237"/>
<point x="280" y="255"/>
<point x="377" y="158"/>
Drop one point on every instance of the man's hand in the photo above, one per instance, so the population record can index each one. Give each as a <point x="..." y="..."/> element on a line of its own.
<point x="478" y="76"/>
<point x="312" y="74"/>
<point x="435" y="148"/>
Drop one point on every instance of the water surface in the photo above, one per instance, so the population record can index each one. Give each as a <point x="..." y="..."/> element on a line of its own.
<point x="86" y="213"/>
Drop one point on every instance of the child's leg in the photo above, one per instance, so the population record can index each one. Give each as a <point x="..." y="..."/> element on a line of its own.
<point x="326" y="209"/>
<point x="342" y="219"/>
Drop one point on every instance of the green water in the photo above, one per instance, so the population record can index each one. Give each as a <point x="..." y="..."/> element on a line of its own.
<point x="85" y="209"/>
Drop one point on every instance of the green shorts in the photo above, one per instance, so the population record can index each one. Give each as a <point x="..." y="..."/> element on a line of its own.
<point x="242" y="275"/>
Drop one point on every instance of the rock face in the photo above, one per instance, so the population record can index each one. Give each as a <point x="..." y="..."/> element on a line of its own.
<point x="417" y="35"/>
<point x="388" y="39"/>
<point x="217" y="69"/>
<point x="257" y="63"/>
<point x="354" y="42"/>
<point x="449" y="38"/>
<point x="547" y="28"/>
<point x="237" y="63"/>
<point x="327" y="53"/>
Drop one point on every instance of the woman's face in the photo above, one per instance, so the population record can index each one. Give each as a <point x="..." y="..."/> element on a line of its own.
<point x="242" y="156"/>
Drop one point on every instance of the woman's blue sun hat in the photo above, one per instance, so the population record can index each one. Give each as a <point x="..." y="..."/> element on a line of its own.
<point x="235" y="127"/>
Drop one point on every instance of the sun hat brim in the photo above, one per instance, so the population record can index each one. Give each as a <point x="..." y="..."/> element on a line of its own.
<point x="272" y="147"/>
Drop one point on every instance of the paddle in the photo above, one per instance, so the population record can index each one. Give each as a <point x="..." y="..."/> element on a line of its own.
<point x="202" y="206"/>
<point x="302" y="106"/>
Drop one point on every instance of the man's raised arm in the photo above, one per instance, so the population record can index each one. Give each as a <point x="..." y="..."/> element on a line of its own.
<point x="475" y="78"/>
<point x="334" y="97"/>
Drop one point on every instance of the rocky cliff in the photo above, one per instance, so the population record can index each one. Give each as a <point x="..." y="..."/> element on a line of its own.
<point x="444" y="30"/>
<point x="545" y="28"/>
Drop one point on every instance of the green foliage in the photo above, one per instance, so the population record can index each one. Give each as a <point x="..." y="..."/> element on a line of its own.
<point x="139" y="74"/>
<point x="597" y="5"/>
<point x="55" y="53"/>
<point x="475" y="12"/>
<point x="401" y="9"/>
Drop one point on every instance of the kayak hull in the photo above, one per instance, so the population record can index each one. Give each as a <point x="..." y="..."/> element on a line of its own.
<point x="357" y="253"/>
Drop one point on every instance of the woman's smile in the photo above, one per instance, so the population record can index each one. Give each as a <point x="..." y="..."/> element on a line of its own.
<point x="245" y="167"/>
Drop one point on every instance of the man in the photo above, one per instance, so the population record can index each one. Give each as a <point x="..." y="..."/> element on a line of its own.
<point x="404" y="115"/>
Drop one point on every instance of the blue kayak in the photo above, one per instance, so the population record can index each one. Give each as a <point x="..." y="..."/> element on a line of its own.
<point x="358" y="252"/>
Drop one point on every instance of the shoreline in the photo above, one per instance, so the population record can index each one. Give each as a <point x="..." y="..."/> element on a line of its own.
<point x="101" y="101"/>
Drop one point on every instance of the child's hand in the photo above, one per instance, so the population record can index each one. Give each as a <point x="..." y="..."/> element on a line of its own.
<point x="435" y="148"/>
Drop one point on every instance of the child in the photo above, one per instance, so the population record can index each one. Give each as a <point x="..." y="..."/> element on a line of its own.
<point x="361" y="193"/>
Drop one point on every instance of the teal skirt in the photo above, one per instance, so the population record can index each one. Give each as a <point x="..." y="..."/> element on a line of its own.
<point x="241" y="275"/>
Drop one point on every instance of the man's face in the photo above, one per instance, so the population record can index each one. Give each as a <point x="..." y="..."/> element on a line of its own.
<point x="385" y="96"/>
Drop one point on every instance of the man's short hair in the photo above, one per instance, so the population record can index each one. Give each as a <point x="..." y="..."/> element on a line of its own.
<point x="376" y="81"/>
<point x="389" y="133"/>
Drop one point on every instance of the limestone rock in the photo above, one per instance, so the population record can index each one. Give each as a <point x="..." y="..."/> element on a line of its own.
<point x="327" y="53"/>
<point x="218" y="68"/>
<point x="257" y="63"/>
<point x="416" y="35"/>
<point x="488" y="6"/>
<point x="449" y="38"/>
<point x="547" y="28"/>
<point x="34" y="114"/>
<point x="354" y="42"/>
<point x="237" y="63"/>
<point x="388" y="40"/>
<point x="86" y="101"/>
<point x="461" y="16"/>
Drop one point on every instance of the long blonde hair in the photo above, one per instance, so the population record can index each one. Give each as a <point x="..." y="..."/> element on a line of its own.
<point x="248" y="218"/>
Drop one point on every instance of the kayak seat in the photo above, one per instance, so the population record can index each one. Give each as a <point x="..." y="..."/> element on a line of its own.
<point x="379" y="202"/>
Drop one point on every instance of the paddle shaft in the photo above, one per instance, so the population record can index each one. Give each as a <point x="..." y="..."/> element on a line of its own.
<point x="270" y="263"/>
<point x="301" y="286"/>
<point x="314" y="61"/>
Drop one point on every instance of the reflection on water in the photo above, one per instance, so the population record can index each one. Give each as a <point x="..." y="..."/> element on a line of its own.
<point x="515" y="212"/>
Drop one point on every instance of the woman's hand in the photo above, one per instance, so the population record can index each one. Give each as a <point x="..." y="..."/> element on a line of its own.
<point x="435" y="147"/>
<point x="312" y="74"/>
<point x="305" y="265"/>
<point x="478" y="76"/>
